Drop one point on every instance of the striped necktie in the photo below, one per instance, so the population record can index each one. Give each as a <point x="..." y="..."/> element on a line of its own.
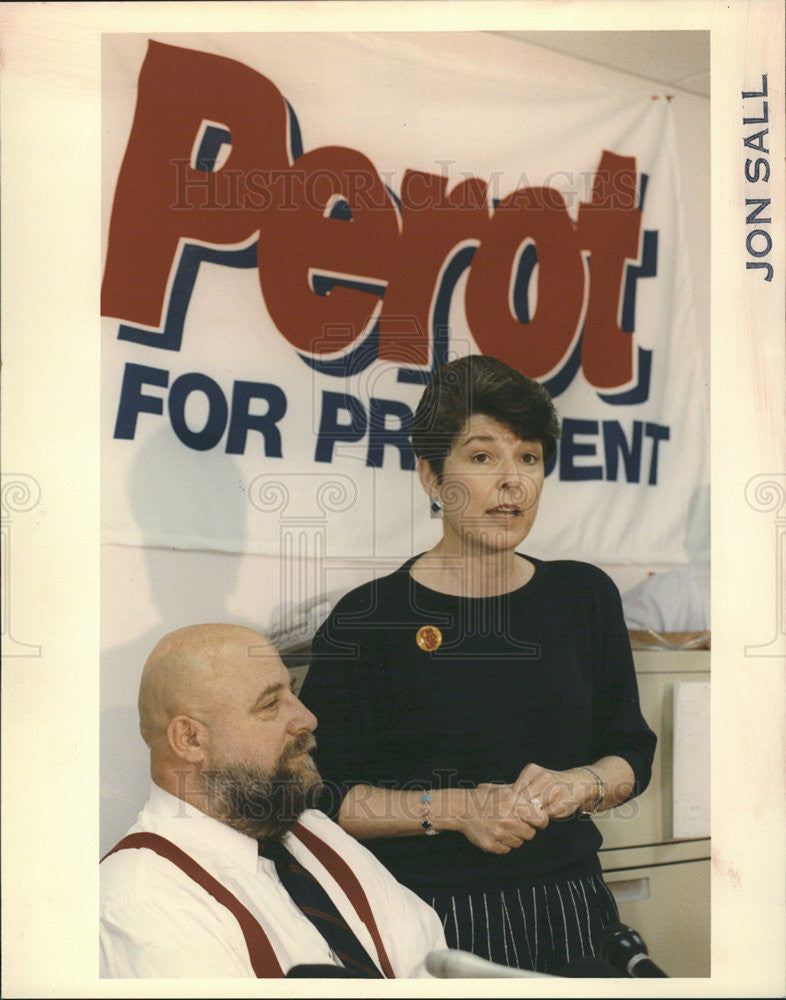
<point x="315" y="903"/>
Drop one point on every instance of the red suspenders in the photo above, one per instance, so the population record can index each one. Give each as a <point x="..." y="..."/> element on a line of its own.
<point x="348" y="881"/>
<point x="263" y="958"/>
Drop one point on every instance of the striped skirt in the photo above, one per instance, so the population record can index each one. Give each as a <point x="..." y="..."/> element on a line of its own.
<point x="540" y="928"/>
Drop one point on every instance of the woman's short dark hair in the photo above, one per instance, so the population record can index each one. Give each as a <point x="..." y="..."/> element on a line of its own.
<point x="480" y="384"/>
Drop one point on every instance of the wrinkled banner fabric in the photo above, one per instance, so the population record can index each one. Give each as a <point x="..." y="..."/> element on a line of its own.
<point x="300" y="228"/>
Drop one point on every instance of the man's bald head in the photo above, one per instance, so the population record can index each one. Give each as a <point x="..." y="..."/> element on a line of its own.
<point x="225" y="729"/>
<point x="187" y="671"/>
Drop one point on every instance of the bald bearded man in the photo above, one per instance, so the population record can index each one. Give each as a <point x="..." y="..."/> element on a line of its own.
<point x="195" y="889"/>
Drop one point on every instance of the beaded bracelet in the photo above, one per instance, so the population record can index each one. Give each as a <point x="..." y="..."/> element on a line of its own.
<point x="425" y="813"/>
<point x="598" y="803"/>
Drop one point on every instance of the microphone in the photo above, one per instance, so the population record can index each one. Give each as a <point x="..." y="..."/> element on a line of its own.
<point x="623" y="948"/>
<point x="326" y="971"/>
<point x="450" y="963"/>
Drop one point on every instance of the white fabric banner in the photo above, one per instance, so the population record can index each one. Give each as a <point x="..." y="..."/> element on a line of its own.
<point x="300" y="228"/>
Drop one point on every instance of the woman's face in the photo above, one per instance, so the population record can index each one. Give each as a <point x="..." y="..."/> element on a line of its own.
<point x="490" y="486"/>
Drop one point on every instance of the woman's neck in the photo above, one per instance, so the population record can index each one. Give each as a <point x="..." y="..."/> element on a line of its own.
<point x="471" y="573"/>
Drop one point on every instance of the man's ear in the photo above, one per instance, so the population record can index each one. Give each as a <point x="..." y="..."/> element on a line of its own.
<point x="428" y="478"/>
<point x="187" y="738"/>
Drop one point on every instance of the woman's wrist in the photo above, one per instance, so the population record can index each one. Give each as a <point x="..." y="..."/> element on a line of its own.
<point x="591" y="790"/>
<point x="598" y="795"/>
<point x="426" y="824"/>
<point x="446" y="810"/>
<point x="369" y="811"/>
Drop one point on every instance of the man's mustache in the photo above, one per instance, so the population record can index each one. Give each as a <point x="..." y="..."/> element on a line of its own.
<point x="302" y="743"/>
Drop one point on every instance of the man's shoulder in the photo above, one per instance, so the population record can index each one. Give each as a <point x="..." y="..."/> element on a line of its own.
<point x="137" y="871"/>
<point x="157" y="920"/>
<point x="153" y="854"/>
<point x="351" y="850"/>
<point x="320" y="824"/>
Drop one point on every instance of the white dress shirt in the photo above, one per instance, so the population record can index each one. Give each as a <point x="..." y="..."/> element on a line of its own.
<point x="158" y="922"/>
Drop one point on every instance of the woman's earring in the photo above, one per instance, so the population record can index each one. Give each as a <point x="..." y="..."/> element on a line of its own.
<point x="435" y="507"/>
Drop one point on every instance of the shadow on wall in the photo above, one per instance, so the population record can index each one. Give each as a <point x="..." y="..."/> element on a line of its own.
<point x="184" y="495"/>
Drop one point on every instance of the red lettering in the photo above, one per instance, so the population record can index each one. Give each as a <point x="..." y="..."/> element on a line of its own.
<point x="609" y="229"/>
<point x="160" y="199"/>
<point x="535" y="347"/>
<point x="334" y="256"/>
<point x="434" y="224"/>
<point x="306" y="258"/>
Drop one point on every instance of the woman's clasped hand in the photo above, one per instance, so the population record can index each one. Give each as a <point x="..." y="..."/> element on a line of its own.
<point x="498" y="818"/>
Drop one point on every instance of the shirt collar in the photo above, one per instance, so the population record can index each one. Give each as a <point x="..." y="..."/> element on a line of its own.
<point x="202" y="834"/>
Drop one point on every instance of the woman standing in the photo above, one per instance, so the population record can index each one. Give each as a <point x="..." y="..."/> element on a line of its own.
<point x="477" y="705"/>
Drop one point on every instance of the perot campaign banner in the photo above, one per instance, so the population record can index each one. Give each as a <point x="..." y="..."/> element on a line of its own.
<point x="299" y="229"/>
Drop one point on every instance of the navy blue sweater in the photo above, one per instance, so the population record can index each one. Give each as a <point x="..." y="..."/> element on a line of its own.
<point x="543" y="674"/>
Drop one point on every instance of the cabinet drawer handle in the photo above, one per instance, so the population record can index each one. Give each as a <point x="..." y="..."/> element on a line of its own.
<point x="628" y="889"/>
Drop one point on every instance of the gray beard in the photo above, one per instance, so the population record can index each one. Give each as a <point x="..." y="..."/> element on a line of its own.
<point x="264" y="804"/>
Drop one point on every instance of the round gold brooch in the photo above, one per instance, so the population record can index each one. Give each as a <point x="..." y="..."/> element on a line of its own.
<point x="429" y="638"/>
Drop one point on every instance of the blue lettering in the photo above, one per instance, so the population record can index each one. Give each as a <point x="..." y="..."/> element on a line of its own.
<point x="192" y="255"/>
<point x="213" y="138"/>
<point x="571" y="449"/>
<point x="658" y="433"/>
<point x="331" y="430"/>
<point x="132" y="400"/>
<point x="380" y="435"/>
<point x="216" y="421"/>
<point x="615" y="444"/>
<point x="242" y="421"/>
